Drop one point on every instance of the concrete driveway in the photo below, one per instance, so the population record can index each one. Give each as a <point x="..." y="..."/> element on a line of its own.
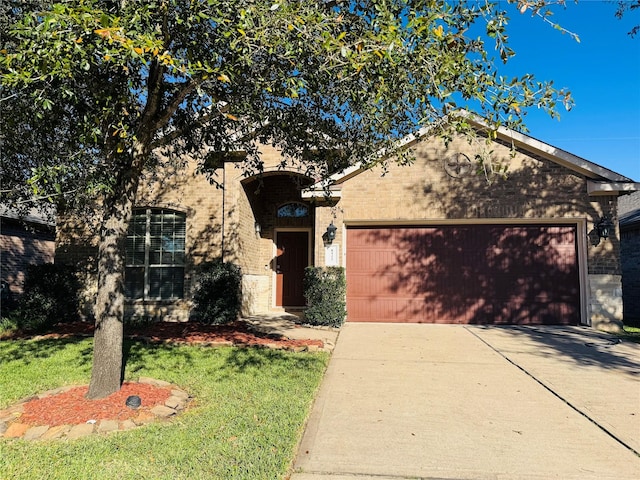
<point x="472" y="402"/>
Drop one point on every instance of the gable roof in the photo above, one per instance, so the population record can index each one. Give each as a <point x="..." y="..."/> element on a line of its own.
<point x="600" y="180"/>
<point x="629" y="219"/>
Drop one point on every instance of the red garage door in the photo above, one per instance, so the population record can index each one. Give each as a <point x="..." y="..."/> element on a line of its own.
<point x="483" y="274"/>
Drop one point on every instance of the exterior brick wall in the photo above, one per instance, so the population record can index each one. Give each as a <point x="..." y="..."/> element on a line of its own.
<point x="21" y="245"/>
<point x="430" y="189"/>
<point x="604" y="255"/>
<point x="442" y="186"/>
<point x="76" y="244"/>
<point x="245" y="201"/>
<point x="184" y="191"/>
<point x="631" y="274"/>
<point x="630" y="257"/>
<point x="257" y="199"/>
<point x="326" y="214"/>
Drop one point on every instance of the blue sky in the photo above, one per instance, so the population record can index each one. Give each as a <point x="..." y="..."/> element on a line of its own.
<point x="602" y="72"/>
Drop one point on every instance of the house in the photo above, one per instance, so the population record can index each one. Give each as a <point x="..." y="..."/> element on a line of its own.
<point x="431" y="242"/>
<point x="25" y="240"/>
<point x="629" y="220"/>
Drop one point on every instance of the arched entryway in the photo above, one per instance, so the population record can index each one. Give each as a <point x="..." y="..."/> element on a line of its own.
<point x="285" y="224"/>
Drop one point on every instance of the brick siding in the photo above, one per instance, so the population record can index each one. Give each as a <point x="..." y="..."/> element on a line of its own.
<point x="434" y="189"/>
<point x="21" y="245"/>
<point x="631" y="274"/>
<point x="630" y="259"/>
<point x="179" y="190"/>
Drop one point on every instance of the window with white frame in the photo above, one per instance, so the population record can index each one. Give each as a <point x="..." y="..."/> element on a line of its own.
<point x="154" y="267"/>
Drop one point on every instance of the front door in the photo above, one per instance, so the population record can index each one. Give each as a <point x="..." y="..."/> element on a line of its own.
<point x="292" y="258"/>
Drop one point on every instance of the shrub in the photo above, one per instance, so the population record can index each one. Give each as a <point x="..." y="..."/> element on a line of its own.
<point x="50" y="296"/>
<point x="8" y="325"/>
<point x="36" y="311"/>
<point x="217" y="297"/>
<point x="6" y="298"/>
<point x="325" y="290"/>
<point x="139" y="321"/>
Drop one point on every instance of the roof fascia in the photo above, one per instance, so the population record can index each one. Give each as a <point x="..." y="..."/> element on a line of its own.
<point x="331" y="194"/>
<point x="614" y="183"/>
<point x="554" y="154"/>
<point x="319" y="189"/>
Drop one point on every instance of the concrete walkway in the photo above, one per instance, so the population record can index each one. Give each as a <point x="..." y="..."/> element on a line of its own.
<point x="290" y="326"/>
<point x="471" y="402"/>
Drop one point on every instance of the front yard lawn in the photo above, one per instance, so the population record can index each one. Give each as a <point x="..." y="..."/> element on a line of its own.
<point x="246" y="418"/>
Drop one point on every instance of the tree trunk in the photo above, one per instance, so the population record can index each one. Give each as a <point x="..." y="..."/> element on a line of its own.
<point x="107" y="370"/>
<point x="106" y="373"/>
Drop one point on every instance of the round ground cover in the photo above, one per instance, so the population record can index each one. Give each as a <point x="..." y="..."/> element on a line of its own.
<point x="72" y="408"/>
<point x="65" y="413"/>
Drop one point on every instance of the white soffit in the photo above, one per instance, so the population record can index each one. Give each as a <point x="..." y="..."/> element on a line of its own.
<point x="611" y="188"/>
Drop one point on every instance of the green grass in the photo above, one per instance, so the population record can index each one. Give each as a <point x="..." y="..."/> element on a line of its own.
<point x="248" y="414"/>
<point x="631" y="334"/>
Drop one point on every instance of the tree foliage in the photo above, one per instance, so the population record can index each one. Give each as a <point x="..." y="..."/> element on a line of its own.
<point x="89" y="78"/>
<point x="95" y="90"/>
<point x="626" y="6"/>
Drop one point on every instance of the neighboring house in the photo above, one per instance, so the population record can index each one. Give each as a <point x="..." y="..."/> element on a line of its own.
<point x="432" y="242"/>
<point x="629" y="219"/>
<point x="24" y="240"/>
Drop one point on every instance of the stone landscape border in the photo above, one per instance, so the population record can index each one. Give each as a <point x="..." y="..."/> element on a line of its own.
<point x="11" y="427"/>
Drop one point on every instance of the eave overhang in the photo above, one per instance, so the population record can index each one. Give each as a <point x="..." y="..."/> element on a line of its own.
<point x="595" y="188"/>
<point x="600" y="180"/>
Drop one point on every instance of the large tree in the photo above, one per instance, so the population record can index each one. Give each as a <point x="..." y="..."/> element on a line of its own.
<point x="94" y="90"/>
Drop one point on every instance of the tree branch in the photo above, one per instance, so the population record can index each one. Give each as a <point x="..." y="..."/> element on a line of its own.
<point x="177" y="133"/>
<point x="155" y="83"/>
<point x="165" y="115"/>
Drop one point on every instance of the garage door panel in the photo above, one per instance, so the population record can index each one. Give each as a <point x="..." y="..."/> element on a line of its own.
<point x="374" y="260"/>
<point x="402" y="309"/>
<point x="463" y="274"/>
<point x="382" y="310"/>
<point x="377" y="286"/>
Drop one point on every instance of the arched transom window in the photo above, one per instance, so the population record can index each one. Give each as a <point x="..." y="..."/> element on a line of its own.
<point x="293" y="210"/>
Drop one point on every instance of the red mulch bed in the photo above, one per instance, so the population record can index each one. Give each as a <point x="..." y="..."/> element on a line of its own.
<point x="237" y="333"/>
<point x="71" y="407"/>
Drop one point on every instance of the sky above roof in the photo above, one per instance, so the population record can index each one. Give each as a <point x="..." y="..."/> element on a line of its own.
<point x="602" y="71"/>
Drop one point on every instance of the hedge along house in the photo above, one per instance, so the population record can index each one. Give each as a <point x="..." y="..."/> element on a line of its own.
<point x="433" y="242"/>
